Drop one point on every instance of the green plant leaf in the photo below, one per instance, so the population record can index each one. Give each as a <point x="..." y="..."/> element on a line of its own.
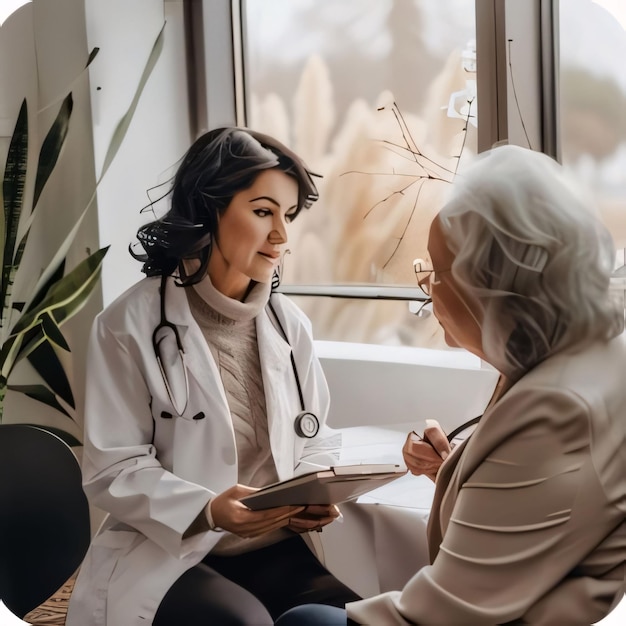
<point x="41" y="394"/>
<point x="46" y="278"/>
<point x="53" y="332"/>
<point x="48" y="156"/>
<point x="13" y="196"/>
<point x="67" y="296"/>
<point x="46" y="363"/>
<point x="54" y="298"/>
<point x="61" y="303"/>
<point x="92" y="56"/>
<point x="52" y="145"/>
<point x="124" y="123"/>
<point x="10" y="350"/>
<point x="55" y="274"/>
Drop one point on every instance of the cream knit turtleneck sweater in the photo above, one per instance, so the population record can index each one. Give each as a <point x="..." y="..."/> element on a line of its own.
<point x="229" y="328"/>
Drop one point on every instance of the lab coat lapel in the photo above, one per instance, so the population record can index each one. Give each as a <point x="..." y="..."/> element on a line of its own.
<point x="281" y="398"/>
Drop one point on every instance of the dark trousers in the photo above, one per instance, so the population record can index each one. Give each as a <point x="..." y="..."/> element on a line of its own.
<point x="251" y="589"/>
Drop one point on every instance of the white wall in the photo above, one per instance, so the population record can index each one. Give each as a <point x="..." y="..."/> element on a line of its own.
<point x="159" y="133"/>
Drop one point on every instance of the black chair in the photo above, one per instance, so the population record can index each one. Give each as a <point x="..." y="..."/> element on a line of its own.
<point x="44" y="516"/>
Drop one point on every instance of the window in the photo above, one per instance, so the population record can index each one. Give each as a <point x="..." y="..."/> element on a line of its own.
<point x="593" y="105"/>
<point x="379" y="97"/>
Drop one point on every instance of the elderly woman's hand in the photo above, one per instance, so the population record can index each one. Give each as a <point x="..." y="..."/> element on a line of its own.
<point x="425" y="454"/>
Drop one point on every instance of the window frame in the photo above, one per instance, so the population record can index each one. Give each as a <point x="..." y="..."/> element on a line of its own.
<point x="216" y="53"/>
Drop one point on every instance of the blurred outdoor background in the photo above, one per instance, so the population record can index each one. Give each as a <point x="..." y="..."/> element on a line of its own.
<point x="378" y="96"/>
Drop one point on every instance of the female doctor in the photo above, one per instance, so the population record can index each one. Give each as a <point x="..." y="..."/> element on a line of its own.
<point x="201" y="388"/>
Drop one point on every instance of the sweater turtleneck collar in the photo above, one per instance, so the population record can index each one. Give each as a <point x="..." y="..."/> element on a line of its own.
<point x="229" y="307"/>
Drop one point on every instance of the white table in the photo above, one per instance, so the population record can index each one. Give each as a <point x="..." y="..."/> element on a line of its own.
<point x="381" y="542"/>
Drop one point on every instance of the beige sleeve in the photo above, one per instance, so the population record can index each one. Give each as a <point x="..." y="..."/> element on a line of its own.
<point x="520" y="522"/>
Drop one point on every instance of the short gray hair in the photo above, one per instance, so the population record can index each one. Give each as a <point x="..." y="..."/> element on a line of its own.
<point x="532" y="254"/>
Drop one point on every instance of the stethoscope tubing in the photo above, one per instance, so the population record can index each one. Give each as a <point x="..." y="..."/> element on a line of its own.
<point x="306" y="423"/>
<point x="156" y="345"/>
<point x="459" y="429"/>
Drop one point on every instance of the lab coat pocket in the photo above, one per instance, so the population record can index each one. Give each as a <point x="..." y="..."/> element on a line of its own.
<point x="106" y="551"/>
<point x="164" y="413"/>
<point x="90" y="594"/>
<point x="168" y="424"/>
<point x="183" y="440"/>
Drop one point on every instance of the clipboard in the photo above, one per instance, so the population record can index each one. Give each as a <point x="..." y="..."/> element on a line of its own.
<point x="337" y="484"/>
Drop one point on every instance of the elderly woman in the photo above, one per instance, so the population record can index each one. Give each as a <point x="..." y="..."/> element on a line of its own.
<point x="528" y="520"/>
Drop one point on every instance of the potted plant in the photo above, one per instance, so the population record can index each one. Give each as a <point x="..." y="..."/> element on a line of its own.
<point x="30" y="328"/>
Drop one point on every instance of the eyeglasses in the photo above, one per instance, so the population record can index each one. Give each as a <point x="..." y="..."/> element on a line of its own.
<point x="426" y="275"/>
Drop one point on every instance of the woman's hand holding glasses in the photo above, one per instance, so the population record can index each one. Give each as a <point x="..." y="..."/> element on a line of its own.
<point x="424" y="454"/>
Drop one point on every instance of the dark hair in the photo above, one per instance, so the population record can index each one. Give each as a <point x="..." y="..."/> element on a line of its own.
<point x="218" y="165"/>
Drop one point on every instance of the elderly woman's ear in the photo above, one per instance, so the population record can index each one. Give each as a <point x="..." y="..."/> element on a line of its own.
<point x="455" y="309"/>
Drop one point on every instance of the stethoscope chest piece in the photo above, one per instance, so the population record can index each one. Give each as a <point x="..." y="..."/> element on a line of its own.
<point x="306" y="425"/>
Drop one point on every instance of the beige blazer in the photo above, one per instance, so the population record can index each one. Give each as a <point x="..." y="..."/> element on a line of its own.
<point x="528" y="523"/>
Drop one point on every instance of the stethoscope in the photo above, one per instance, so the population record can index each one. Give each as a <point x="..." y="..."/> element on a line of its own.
<point x="159" y="335"/>
<point x="306" y="423"/>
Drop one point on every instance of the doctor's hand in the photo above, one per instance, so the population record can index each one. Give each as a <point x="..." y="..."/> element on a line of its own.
<point x="425" y="454"/>
<point x="234" y="516"/>
<point x="314" y="517"/>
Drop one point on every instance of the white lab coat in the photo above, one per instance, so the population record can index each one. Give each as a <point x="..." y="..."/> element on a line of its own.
<point x="154" y="475"/>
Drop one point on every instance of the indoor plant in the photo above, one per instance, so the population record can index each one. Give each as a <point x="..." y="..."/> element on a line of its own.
<point x="30" y="328"/>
